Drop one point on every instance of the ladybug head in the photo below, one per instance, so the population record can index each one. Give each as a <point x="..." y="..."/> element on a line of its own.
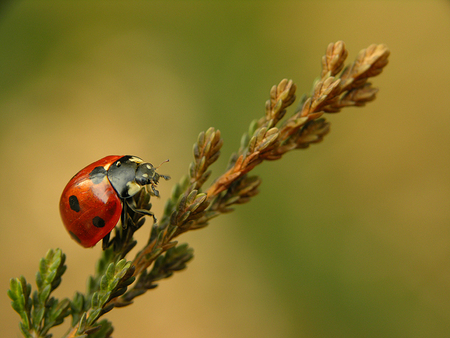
<point x="129" y="174"/>
<point x="146" y="175"/>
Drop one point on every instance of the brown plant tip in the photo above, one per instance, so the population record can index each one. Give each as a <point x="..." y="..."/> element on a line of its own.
<point x="326" y="92"/>
<point x="359" y="96"/>
<point x="240" y="192"/>
<point x="333" y="60"/>
<point x="206" y="152"/>
<point x="190" y="209"/>
<point x="281" y="97"/>
<point x="312" y="132"/>
<point x="333" y="92"/>
<point x="330" y="94"/>
<point x="369" y="63"/>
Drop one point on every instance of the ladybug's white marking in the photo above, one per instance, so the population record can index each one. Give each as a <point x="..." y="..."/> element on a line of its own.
<point x="136" y="159"/>
<point x="145" y="175"/>
<point x="148" y="166"/>
<point x="133" y="188"/>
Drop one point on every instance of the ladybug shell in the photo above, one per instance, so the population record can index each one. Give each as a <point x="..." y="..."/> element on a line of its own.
<point x="90" y="207"/>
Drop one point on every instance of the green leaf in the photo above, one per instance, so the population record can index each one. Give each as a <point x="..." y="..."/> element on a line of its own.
<point x="104" y="297"/>
<point x="55" y="314"/>
<point x="19" y="293"/>
<point x="43" y="296"/>
<point x="103" y="330"/>
<point x="38" y="316"/>
<point x="82" y="324"/>
<point x="25" y="331"/>
<point x="121" y="264"/>
<point x="93" y="316"/>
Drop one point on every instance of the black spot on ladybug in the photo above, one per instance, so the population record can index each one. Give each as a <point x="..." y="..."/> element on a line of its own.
<point x="97" y="175"/>
<point x="75" y="237"/>
<point x="98" y="222"/>
<point x="74" y="204"/>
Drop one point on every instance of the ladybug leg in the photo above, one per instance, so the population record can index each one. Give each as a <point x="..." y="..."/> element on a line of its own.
<point x="123" y="215"/>
<point x="140" y="211"/>
<point x="151" y="188"/>
<point x="105" y="242"/>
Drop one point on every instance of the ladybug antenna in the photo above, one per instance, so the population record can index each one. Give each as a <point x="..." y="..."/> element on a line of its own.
<point x="160" y="175"/>
<point x="162" y="164"/>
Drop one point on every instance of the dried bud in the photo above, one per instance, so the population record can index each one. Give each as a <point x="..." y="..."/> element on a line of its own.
<point x="369" y="62"/>
<point x="333" y="60"/>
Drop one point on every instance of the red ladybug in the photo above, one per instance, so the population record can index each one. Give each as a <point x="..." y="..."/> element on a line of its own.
<point x="94" y="199"/>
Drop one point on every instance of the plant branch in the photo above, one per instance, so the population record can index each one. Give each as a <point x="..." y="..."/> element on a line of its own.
<point x="116" y="281"/>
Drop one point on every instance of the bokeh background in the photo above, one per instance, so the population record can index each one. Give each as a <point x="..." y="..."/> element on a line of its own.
<point x="349" y="238"/>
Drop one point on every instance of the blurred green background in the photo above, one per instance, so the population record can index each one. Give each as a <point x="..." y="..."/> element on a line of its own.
<point x="349" y="238"/>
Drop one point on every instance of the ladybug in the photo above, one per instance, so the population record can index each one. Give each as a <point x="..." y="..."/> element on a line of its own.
<point x="96" y="198"/>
